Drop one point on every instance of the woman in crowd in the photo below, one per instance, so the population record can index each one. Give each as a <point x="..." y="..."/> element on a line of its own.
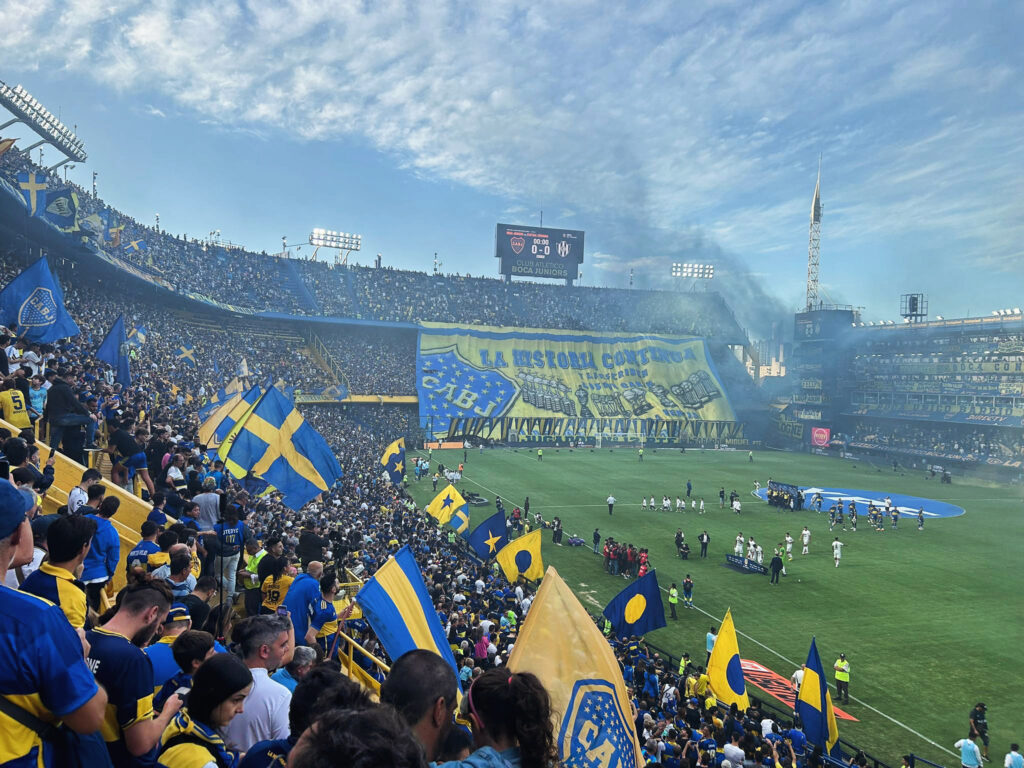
<point x="219" y="688"/>
<point x="513" y="724"/>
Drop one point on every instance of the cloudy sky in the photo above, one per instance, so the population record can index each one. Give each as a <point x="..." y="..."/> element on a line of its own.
<point x="668" y="131"/>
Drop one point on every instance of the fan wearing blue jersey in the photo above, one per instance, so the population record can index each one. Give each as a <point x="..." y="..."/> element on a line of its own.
<point x="115" y="657"/>
<point x="40" y="654"/>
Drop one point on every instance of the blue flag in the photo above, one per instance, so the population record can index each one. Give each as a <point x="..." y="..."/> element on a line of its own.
<point x="136" y="246"/>
<point x="637" y="609"/>
<point x="814" y="706"/>
<point x="62" y="209"/>
<point x="32" y="305"/>
<point x="114" y="351"/>
<point x="488" y="538"/>
<point x="33" y="191"/>
<point x="396" y="603"/>
<point x="275" y="443"/>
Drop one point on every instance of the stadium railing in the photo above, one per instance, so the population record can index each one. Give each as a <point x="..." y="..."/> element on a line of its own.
<point x="67" y="474"/>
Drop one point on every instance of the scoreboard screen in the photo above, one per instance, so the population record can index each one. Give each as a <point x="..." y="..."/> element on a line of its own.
<point x="539" y="252"/>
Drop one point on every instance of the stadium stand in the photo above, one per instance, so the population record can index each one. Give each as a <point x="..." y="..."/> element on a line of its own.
<point x="944" y="391"/>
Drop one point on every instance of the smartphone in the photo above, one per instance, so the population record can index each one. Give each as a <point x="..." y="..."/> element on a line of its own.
<point x="282" y="611"/>
<point x="182" y="692"/>
<point x="190" y="541"/>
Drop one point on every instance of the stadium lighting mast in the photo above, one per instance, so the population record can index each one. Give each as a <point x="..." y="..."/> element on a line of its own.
<point x="27" y="109"/>
<point x="814" y="244"/>
<point x="343" y="242"/>
<point x="692" y="271"/>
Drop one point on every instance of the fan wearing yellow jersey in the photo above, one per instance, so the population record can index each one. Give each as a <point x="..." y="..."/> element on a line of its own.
<point x="13" y="405"/>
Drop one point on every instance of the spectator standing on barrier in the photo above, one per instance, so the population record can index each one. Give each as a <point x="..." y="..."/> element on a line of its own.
<point x="842" y="668"/>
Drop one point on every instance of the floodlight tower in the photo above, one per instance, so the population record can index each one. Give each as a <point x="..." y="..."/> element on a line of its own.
<point x="27" y="109"/>
<point x="343" y="242"/>
<point x="814" y="244"/>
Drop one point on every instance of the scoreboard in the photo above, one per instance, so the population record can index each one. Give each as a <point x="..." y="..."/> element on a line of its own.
<point x="538" y="251"/>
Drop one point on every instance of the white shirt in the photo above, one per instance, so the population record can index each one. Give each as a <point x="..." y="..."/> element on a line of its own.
<point x="265" y="715"/>
<point x="837" y="548"/>
<point x="768" y="723"/>
<point x="806" y="536"/>
<point x="611" y="499"/>
<point x="789" y="542"/>
<point x="733" y="754"/>
<point x="11" y="580"/>
<point x="798" y="678"/>
<point x="76" y="498"/>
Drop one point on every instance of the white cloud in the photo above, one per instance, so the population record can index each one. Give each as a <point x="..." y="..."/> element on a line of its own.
<point x="678" y="118"/>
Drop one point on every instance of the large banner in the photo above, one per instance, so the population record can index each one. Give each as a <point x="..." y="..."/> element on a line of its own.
<point x="502" y="384"/>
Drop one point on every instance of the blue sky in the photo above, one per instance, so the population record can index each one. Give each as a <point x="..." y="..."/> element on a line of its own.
<point x="668" y="131"/>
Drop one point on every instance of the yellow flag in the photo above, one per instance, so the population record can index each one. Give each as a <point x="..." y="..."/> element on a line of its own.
<point x="560" y="644"/>
<point x="724" y="668"/>
<point x="522" y="557"/>
<point x="444" y="504"/>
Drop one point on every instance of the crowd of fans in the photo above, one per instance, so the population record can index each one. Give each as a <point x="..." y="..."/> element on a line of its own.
<point x="375" y="362"/>
<point x="960" y="442"/>
<point x="261" y="282"/>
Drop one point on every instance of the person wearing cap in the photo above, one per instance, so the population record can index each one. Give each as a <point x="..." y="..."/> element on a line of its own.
<point x="979" y="726"/>
<point x="160" y="653"/>
<point x="67" y="541"/>
<point x="16" y="576"/>
<point x="41" y="656"/>
<point x="842" y="669"/>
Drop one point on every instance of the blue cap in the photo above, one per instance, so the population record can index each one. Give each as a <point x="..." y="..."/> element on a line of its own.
<point x="13" y="506"/>
<point x="178" y="612"/>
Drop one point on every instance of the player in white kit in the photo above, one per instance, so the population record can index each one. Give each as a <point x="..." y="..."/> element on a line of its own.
<point x="837" y="550"/>
<point x="738" y="549"/>
<point x="789" y="546"/>
<point x="805" y="536"/>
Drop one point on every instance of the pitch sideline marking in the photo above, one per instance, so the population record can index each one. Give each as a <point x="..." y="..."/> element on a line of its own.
<point x="776" y="653"/>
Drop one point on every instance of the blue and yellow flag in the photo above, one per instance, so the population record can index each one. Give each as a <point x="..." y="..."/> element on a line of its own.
<point x="637" y="609"/>
<point x="396" y="603"/>
<point x="276" y="444"/>
<point x="33" y="191"/>
<point x="814" y="706"/>
<point x="114" y="352"/>
<point x="137" y="336"/>
<point x="32" y="305"/>
<point x="460" y="520"/>
<point x="559" y="643"/>
<point x="725" y="669"/>
<point x="136" y="246"/>
<point x="490" y="537"/>
<point x="217" y="426"/>
<point x="444" y="504"/>
<point x="187" y="354"/>
<point x="522" y="558"/>
<point x="62" y="209"/>
<point x="393" y="460"/>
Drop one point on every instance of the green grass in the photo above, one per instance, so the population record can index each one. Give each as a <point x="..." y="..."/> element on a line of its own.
<point x="930" y="621"/>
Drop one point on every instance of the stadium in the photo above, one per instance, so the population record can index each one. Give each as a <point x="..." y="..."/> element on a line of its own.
<point x="388" y="461"/>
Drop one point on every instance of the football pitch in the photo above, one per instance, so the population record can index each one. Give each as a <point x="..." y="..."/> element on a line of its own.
<point x="929" y="620"/>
